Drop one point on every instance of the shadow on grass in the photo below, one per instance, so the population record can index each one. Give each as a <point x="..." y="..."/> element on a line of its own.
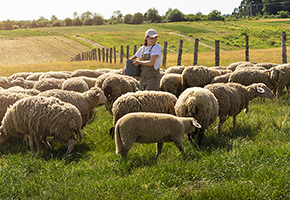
<point x="16" y="145"/>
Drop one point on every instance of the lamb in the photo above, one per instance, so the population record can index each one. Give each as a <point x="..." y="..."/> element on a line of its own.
<point x="85" y="102"/>
<point x="198" y="76"/>
<point x="56" y="75"/>
<point x="248" y="77"/>
<point x="75" y="84"/>
<point x="233" y="97"/>
<point x="48" y="84"/>
<point x="115" y="86"/>
<point x="152" y="128"/>
<point x="86" y="72"/>
<point x="200" y="104"/>
<point x="143" y="101"/>
<point x="7" y="99"/>
<point x="50" y="117"/>
<point x="172" y="83"/>
<point x="175" y="70"/>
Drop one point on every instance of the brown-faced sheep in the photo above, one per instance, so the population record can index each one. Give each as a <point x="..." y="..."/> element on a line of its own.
<point x="200" y="104"/>
<point x="198" y="76"/>
<point x="234" y="97"/>
<point x="172" y="83"/>
<point x="85" y="102"/>
<point x="75" y="84"/>
<point x="152" y="128"/>
<point x="50" y="117"/>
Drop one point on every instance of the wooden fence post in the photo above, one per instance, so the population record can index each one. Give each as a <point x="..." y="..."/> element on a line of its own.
<point x="111" y="54"/>
<point x="164" y="55"/>
<point x="179" y="53"/>
<point x="99" y="54"/>
<point x="127" y="56"/>
<point x="247" y="48"/>
<point x="121" y="56"/>
<point x="195" y="57"/>
<point x="115" y="58"/>
<point x="103" y="54"/>
<point x="284" y="49"/>
<point x="217" y="53"/>
<point x="107" y="55"/>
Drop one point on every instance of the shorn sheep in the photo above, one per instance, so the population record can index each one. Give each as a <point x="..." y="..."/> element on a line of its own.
<point x="234" y="97"/>
<point x="85" y="102"/>
<point x="198" y="76"/>
<point x="40" y="117"/>
<point x="143" y="101"/>
<point x="152" y="128"/>
<point x="200" y="104"/>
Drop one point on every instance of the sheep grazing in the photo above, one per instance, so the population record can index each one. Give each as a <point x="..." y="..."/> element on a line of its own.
<point x="175" y="70"/>
<point x="115" y="86"/>
<point x="281" y="73"/>
<point x="200" y="104"/>
<point x="172" y="83"/>
<point x="152" y="128"/>
<point x="23" y="75"/>
<point x="265" y="65"/>
<point x="18" y="89"/>
<point x="86" y="72"/>
<point x="48" y="84"/>
<point x="4" y="82"/>
<point x="143" y="101"/>
<point x="248" y="77"/>
<point x="221" y="79"/>
<point x="90" y="81"/>
<point x="198" y="76"/>
<point x="50" y="117"/>
<point x="75" y="84"/>
<point x="233" y="66"/>
<point x="7" y="99"/>
<point x="85" y="102"/>
<point x="234" y="97"/>
<point x="19" y="81"/>
<point x="34" y="76"/>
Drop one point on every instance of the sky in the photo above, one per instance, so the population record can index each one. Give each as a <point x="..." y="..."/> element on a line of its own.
<point x="34" y="9"/>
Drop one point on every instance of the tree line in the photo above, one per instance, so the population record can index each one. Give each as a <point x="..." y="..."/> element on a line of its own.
<point x="247" y="9"/>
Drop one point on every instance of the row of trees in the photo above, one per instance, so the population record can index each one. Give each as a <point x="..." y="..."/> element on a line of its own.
<point x="247" y="8"/>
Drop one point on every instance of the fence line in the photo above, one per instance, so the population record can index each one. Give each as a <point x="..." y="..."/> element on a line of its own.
<point x="108" y="54"/>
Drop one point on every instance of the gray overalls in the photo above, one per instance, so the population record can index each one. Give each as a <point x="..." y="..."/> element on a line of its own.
<point x="149" y="77"/>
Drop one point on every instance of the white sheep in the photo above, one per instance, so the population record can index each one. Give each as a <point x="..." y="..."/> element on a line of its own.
<point x="152" y="128"/>
<point x="200" y="104"/>
<point x="86" y="72"/>
<point x="40" y="117"/>
<point x="55" y="74"/>
<point x="75" y="84"/>
<point x="175" y="70"/>
<point x="172" y="83"/>
<point x="48" y="84"/>
<point x="234" y="97"/>
<point x="85" y="102"/>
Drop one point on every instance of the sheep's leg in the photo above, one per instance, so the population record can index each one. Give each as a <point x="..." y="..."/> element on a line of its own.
<point x="112" y="132"/>
<point x="221" y="122"/>
<point x="200" y="136"/>
<point x="37" y="140"/>
<point x="3" y="138"/>
<point x="159" y="147"/>
<point x="179" y="145"/>
<point x="125" y="148"/>
<point x="31" y="144"/>
<point x="70" y="146"/>
<point x="234" y="121"/>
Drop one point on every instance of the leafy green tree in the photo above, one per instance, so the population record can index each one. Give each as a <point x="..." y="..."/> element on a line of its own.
<point x="68" y="21"/>
<point x="77" y="22"/>
<point x="137" y="18"/>
<point x="56" y="23"/>
<point x="283" y="14"/>
<point x="86" y="15"/>
<point x="98" y="19"/>
<point x="128" y="19"/>
<point x="7" y="25"/>
<point x="152" y="15"/>
<point x="215" y="16"/>
<point x="88" y="22"/>
<point x="174" y="15"/>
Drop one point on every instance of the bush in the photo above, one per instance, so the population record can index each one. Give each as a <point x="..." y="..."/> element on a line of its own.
<point x="88" y="22"/>
<point x="77" y="22"/>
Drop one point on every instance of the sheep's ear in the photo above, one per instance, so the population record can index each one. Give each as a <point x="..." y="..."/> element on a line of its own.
<point x="260" y="90"/>
<point x="98" y="94"/>
<point x="196" y="124"/>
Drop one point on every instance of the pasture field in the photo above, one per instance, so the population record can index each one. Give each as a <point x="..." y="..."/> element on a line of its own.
<point x="250" y="161"/>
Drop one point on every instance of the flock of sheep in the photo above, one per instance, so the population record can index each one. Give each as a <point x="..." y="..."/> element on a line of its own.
<point x="59" y="105"/>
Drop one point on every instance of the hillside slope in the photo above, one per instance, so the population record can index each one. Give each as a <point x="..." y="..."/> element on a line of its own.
<point x="42" y="49"/>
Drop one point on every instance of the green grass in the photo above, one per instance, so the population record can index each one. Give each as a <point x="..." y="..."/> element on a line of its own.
<point x="250" y="161"/>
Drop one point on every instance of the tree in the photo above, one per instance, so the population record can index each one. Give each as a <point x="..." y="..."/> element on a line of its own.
<point x="215" y="16"/>
<point x="98" y="19"/>
<point x="7" y="25"/>
<point x="137" y="18"/>
<point x="88" y="22"/>
<point x="152" y="15"/>
<point x="86" y="15"/>
<point x="117" y="17"/>
<point x="175" y="15"/>
<point x="77" y="22"/>
<point x="128" y="19"/>
<point x="68" y="21"/>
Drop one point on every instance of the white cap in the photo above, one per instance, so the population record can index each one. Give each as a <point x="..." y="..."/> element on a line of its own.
<point x="151" y="33"/>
